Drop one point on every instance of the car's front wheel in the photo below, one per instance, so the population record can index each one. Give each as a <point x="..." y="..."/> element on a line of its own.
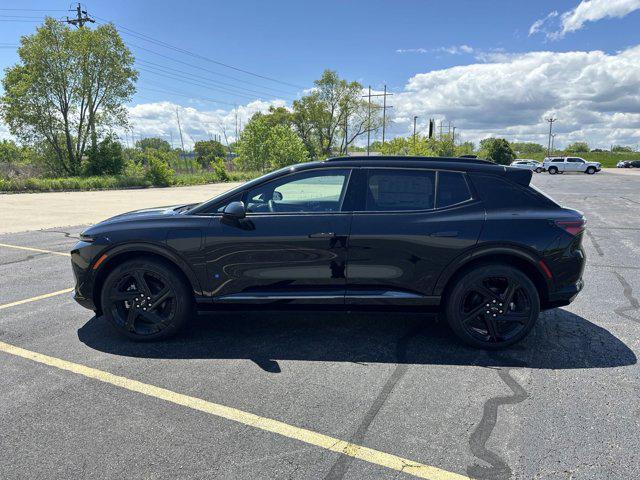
<point x="553" y="170"/>
<point x="146" y="299"/>
<point x="591" y="170"/>
<point x="492" y="306"/>
<point x="538" y="170"/>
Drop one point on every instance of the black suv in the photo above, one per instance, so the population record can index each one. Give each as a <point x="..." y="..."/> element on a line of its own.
<point x="468" y="235"/>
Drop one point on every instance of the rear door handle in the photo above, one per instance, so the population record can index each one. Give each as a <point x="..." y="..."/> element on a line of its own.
<point x="322" y="235"/>
<point x="448" y="233"/>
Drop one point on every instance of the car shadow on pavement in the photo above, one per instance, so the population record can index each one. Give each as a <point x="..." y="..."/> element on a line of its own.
<point x="560" y="340"/>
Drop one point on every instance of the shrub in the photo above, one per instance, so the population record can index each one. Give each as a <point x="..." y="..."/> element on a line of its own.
<point x="158" y="172"/>
<point x="106" y="159"/>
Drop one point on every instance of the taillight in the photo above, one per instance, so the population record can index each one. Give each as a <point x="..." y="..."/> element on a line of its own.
<point x="572" y="227"/>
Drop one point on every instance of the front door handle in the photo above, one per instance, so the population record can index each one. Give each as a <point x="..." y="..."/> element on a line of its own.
<point x="448" y="233"/>
<point x="322" y="235"/>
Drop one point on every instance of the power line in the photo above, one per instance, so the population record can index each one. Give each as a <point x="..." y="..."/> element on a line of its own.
<point x="204" y="69"/>
<point x="81" y="17"/>
<point x="31" y="10"/>
<point x="148" y="38"/>
<point x="182" y="73"/>
<point x="184" y="79"/>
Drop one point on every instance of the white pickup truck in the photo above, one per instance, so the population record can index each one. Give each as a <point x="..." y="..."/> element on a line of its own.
<point x="555" y="165"/>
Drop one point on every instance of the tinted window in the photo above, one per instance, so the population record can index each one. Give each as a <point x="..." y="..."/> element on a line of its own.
<point x="390" y="190"/>
<point x="558" y="160"/>
<point x="316" y="191"/>
<point x="452" y="189"/>
<point x="575" y="160"/>
<point x="496" y="192"/>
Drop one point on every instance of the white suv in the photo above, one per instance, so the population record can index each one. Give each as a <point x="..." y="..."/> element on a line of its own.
<point x="555" y="165"/>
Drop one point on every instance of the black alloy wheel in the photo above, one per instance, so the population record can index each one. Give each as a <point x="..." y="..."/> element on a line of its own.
<point x="146" y="300"/>
<point x="493" y="306"/>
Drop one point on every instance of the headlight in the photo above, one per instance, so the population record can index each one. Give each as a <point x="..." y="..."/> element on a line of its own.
<point x="86" y="238"/>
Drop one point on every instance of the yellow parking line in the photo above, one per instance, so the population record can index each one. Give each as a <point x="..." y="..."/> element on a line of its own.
<point x="267" y="424"/>
<point x="34" y="299"/>
<point x="31" y="249"/>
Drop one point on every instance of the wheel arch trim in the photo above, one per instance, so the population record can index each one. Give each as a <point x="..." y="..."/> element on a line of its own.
<point x="142" y="248"/>
<point x="485" y="253"/>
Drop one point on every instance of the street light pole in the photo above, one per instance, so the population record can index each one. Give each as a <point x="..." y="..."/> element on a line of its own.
<point x="550" y="120"/>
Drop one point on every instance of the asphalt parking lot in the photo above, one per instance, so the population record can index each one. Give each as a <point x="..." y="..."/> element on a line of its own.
<point x="403" y="396"/>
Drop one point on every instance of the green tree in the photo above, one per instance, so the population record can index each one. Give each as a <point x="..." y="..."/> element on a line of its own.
<point x="577" y="147"/>
<point x="465" y="148"/>
<point x="153" y="143"/>
<point x="207" y="151"/>
<point x="69" y="86"/>
<point x="527" y="148"/>
<point x="10" y="153"/>
<point x="319" y="118"/>
<point x="497" y="150"/>
<point x="621" y="149"/>
<point x="107" y="158"/>
<point x="263" y="147"/>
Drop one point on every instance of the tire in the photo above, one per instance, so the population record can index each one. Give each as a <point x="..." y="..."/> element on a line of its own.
<point x="553" y="170"/>
<point x="146" y="299"/>
<point x="538" y="170"/>
<point x="497" y="286"/>
<point x="590" y="170"/>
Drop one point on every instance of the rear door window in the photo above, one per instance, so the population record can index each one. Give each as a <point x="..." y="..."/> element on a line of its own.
<point x="452" y="189"/>
<point x="400" y="190"/>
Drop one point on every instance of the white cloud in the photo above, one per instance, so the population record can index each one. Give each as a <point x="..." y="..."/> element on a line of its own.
<point x="585" y="11"/>
<point x="538" y="24"/>
<point x="452" y="50"/>
<point x="158" y="119"/>
<point x="594" y="95"/>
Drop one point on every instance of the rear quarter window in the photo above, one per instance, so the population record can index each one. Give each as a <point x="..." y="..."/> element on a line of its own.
<point x="497" y="192"/>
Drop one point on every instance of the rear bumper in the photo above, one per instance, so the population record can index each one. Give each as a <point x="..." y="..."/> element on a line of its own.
<point x="565" y="295"/>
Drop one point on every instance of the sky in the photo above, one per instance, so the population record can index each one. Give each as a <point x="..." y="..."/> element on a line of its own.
<point x="492" y="68"/>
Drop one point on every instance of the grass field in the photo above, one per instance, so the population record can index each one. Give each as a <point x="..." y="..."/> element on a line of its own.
<point x="109" y="182"/>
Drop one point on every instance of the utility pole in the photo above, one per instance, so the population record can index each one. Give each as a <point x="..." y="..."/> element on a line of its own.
<point x="180" y="130"/>
<point x="369" y="121"/>
<point x="346" y="128"/>
<point x="553" y="141"/>
<point x="384" y="112"/>
<point x="80" y="20"/>
<point x="453" y="136"/>
<point x="235" y="112"/>
<point x="550" y="120"/>
<point x="415" y="118"/>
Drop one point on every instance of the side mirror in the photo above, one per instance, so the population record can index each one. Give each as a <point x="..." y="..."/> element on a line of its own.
<point x="235" y="210"/>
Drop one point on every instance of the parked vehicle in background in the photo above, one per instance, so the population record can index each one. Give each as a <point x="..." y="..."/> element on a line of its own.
<point x="527" y="164"/>
<point x="469" y="236"/>
<point x="624" y="164"/>
<point x="570" y="164"/>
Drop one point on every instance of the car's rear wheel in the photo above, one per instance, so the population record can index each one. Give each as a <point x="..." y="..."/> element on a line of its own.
<point x="591" y="170"/>
<point x="553" y="170"/>
<point x="493" y="306"/>
<point x="538" y="170"/>
<point x="146" y="299"/>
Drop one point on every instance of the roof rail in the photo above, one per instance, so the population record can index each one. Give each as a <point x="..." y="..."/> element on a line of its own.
<point x="419" y="159"/>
